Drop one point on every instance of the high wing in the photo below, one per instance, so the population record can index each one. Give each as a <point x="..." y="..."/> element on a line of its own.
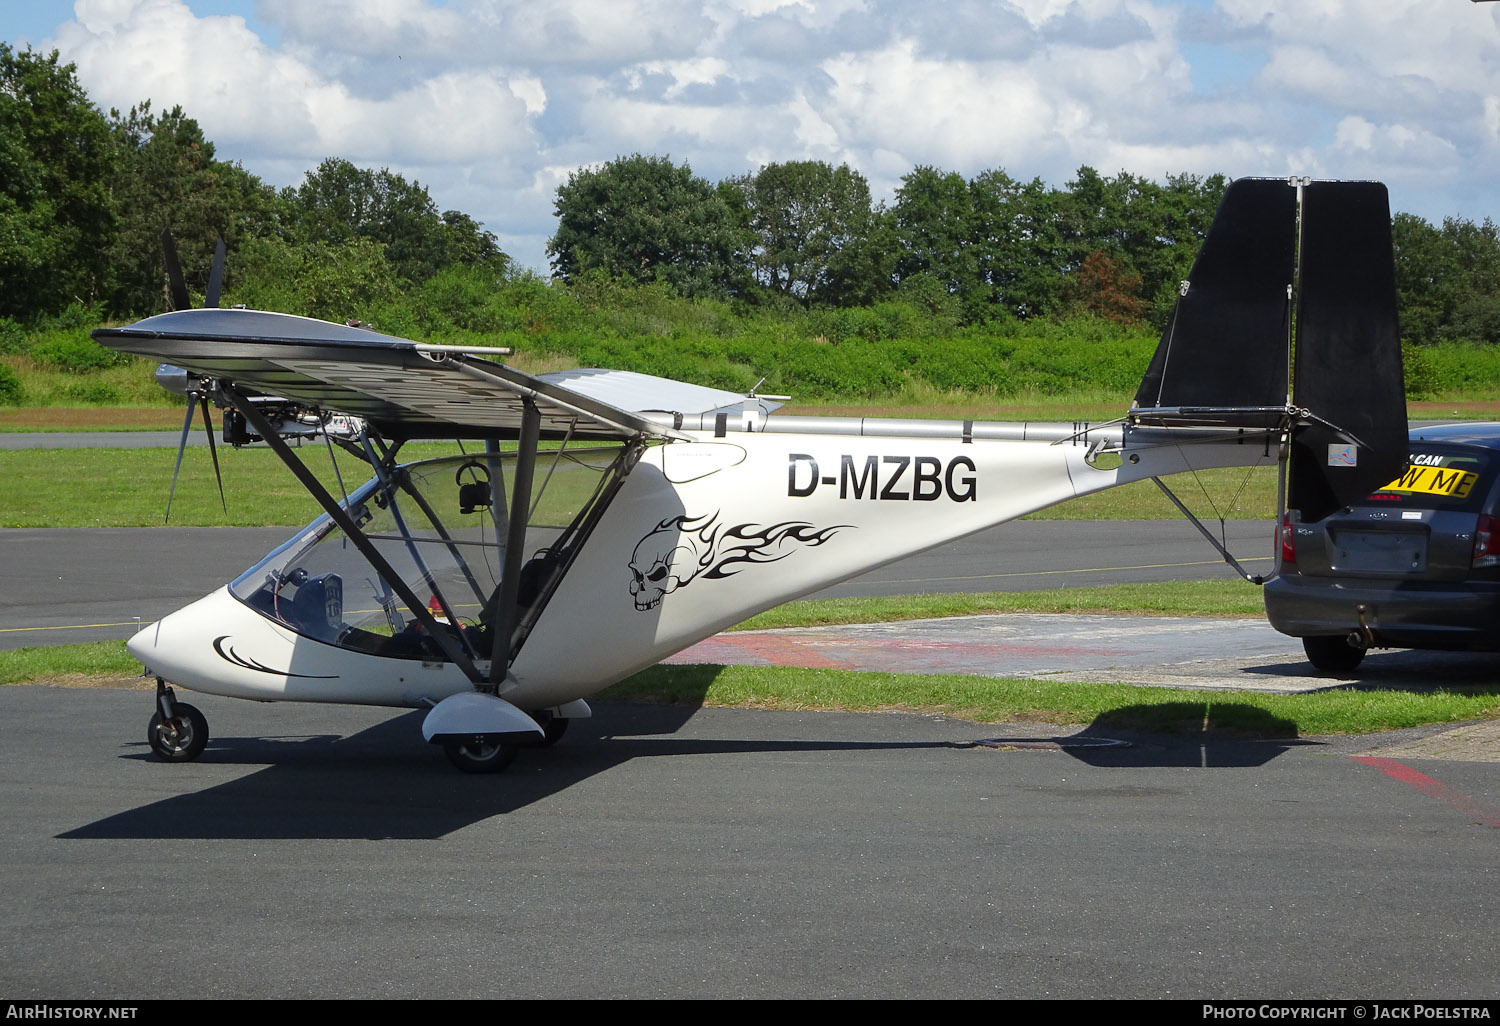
<point x="404" y="389"/>
<point x="643" y="393"/>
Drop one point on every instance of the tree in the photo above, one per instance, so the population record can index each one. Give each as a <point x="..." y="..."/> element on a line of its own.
<point x="1018" y="243"/>
<point x="647" y="219"/>
<point x="1105" y="287"/>
<point x="812" y="224"/>
<point x="336" y="281"/>
<point x="56" y="217"/>
<point x="935" y="223"/>
<point x="338" y="202"/>
<point x="166" y="177"/>
<point x="1189" y="204"/>
<point x="1155" y="230"/>
<point x="1447" y="279"/>
<point x="472" y="246"/>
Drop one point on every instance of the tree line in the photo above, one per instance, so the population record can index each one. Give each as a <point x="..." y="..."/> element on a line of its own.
<point x="982" y="248"/>
<point x="84" y="195"/>
<point x="807" y="232"/>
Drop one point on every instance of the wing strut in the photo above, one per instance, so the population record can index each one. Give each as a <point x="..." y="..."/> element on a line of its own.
<point x="339" y="516"/>
<point x="392" y="489"/>
<point x="515" y="540"/>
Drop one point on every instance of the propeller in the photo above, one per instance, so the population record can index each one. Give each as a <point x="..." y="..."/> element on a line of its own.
<point x="215" y="276"/>
<point x="176" y="286"/>
<point x="197" y="394"/>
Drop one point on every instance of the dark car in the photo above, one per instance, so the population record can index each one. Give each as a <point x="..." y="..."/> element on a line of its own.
<point x="1415" y="565"/>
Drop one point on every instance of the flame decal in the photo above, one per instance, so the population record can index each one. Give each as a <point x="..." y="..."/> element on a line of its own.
<point x="681" y="549"/>
<point x="750" y="544"/>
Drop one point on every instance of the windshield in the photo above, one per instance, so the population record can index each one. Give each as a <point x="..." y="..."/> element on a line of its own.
<point x="442" y="527"/>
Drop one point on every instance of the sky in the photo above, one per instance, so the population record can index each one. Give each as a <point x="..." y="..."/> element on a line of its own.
<point x="491" y="104"/>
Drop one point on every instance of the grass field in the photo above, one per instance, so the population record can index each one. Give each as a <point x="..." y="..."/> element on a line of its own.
<point x="1336" y="710"/>
<point x="128" y="488"/>
<point x="1007" y="699"/>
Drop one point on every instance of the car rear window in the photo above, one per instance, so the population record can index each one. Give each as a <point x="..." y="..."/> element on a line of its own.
<point x="1439" y="477"/>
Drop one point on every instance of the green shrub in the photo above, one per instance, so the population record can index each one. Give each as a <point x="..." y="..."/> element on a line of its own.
<point x="91" y="393"/>
<point x="1421" y="381"/>
<point x="458" y="297"/>
<point x="74" y="317"/>
<point x="13" y="338"/>
<point x="1452" y="367"/>
<point x="11" y="390"/>
<point x="76" y="354"/>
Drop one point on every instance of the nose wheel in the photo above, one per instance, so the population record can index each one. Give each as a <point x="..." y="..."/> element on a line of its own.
<point x="178" y="732"/>
<point x="479" y="756"/>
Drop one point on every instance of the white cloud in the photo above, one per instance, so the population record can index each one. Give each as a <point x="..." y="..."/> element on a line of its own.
<point x="215" y="68"/>
<point x="252" y="100"/>
<point x="491" y="103"/>
<point x="368" y="27"/>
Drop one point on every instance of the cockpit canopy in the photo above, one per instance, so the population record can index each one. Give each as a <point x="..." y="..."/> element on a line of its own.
<point x="442" y="526"/>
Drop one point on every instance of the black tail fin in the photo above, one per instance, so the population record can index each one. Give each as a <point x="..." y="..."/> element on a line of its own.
<point x="1226" y="343"/>
<point x="1348" y="349"/>
<point x="1317" y="254"/>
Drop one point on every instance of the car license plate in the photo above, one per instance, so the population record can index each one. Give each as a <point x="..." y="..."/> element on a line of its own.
<point x="1379" y="552"/>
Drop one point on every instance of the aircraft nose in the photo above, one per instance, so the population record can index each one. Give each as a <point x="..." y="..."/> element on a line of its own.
<point x="174" y="647"/>
<point x="143" y="645"/>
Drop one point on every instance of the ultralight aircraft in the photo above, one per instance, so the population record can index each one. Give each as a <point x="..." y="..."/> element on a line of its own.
<point x="635" y="516"/>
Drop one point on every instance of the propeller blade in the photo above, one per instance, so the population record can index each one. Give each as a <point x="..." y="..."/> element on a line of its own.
<point x="178" y="287"/>
<point x="215" y="282"/>
<point x="181" y="446"/>
<point x="212" y="451"/>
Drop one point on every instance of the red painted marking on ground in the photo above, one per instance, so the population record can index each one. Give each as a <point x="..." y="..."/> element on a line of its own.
<point x="773" y="649"/>
<point x="1450" y="796"/>
<point x="826" y="650"/>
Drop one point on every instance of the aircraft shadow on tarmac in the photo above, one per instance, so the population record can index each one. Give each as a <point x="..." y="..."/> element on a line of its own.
<point x="378" y="783"/>
<point x="1210" y="734"/>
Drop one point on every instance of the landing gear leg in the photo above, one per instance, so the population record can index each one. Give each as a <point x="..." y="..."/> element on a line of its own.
<point x="553" y="726"/>
<point x="178" y="732"/>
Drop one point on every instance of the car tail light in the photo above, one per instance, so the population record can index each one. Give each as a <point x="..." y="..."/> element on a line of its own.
<point x="1288" y="545"/>
<point x="1487" y="541"/>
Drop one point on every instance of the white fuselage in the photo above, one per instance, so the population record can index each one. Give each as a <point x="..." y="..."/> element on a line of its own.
<point x="704" y="533"/>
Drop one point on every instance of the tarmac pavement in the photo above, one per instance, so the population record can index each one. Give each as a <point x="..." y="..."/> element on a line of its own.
<point x="680" y="851"/>
<point x="1216" y="654"/>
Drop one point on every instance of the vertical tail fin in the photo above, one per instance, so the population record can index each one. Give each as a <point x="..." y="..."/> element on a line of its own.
<point x="1280" y="253"/>
<point x="1348" y="349"/>
<point x="1226" y="342"/>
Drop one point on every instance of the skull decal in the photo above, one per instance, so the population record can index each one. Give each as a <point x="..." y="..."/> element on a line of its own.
<point x="659" y="565"/>
<point x="681" y="549"/>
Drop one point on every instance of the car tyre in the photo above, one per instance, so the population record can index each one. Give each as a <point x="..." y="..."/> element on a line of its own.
<point x="1332" y="653"/>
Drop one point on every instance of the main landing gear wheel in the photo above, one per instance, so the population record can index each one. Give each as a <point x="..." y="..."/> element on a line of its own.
<point x="1332" y="653"/>
<point x="483" y="757"/>
<point x="181" y="738"/>
<point x="553" y="727"/>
